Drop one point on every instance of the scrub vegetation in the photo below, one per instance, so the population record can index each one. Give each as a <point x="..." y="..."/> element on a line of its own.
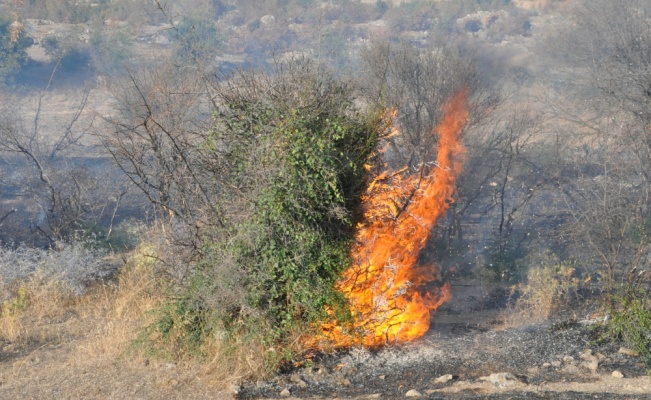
<point x="195" y="172"/>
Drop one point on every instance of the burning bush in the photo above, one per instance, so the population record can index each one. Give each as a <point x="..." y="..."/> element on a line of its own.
<point x="283" y="170"/>
<point x="385" y="287"/>
<point x="275" y="197"/>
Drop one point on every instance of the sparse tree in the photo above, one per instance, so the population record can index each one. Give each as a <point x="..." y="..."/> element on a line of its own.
<point x="42" y="149"/>
<point x="608" y="198"/>
<point x="156" y="137"/>
<point x="13" y="42"/>
<point x="418" y="83"/>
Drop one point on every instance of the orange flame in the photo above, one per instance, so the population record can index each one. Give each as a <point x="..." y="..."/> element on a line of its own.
<point x="385" y="287"/>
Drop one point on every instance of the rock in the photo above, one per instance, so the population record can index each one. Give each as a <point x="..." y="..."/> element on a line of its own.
<point x="533" y="371"/>
<point x="546" y="365"/>
<point x="571" y="369"/>
<point x="302" y="384"/>
<point x="285" y="393"/>
<point x="295" y="378"/>
<point x="556" y="363"/>
<point x="268" y="19"/>
<point x="588" y="356"/>
<point x="600" y="356"/>
<point x="382" y="377"/>
<point x="568" y="359"/>
<point x="346" y="382"/>
<point x="413" y="393"/>
<point x="628" y="352"/>
<point x="617" y="374"/>
<point x="444" y="378"/>
<point x="592" y="365"/>
<point x="501" y="379"/>
<point x="161" y="39"/>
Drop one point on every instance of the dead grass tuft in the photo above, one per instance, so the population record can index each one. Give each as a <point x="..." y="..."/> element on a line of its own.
<point x="104" y="320"/>
<point x="116" y="314"/>
<point x="234" y="362"/>
<point x="33" y="310"/>
<point x="546" y="289"/>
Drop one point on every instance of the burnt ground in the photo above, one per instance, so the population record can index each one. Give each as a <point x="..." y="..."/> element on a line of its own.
<point x="468" y="341"/>
<point x="80" y="352"/>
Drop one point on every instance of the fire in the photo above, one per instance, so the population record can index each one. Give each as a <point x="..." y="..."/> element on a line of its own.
<point x="385" y="287"/>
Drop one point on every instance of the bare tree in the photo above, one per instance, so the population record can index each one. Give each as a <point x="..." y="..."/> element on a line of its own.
<point x="510" y="162"/>
<point x="418" y="83"/>
<point x="607" y="199"/>
<point x="156" y="138"/>
<point x="44" y="154"/>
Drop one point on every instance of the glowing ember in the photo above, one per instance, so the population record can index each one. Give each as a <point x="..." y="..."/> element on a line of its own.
<point x="386" y="288"/>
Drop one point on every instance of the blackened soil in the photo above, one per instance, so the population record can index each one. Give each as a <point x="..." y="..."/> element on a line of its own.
<point x="468" y="345"/>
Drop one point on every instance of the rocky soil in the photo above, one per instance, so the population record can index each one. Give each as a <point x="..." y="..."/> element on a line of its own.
<point x="468" y="355"/>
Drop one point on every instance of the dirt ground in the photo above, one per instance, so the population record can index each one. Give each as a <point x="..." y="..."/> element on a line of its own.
<point x="53" y="372"/>
<point x="467" y="341"/>
<point x="64" y="347"/>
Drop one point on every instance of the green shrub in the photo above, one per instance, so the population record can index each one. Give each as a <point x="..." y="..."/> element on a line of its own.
<point x="290" y="148"/>
<point x="198" y="37"/>
<point x="13" y="43"/>
<point x="254" y="25"/>
<point x="500" y="262"/>
<point x="111" y="51"/>
<point x="306" y="3"/>
<point x="629" y="320"/>
<point x="296" y="241"/>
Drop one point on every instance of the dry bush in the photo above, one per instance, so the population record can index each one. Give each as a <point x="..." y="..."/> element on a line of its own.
<point x="72" y="266"/>
<point x="32" y="311"/>
<point x="244" y="356"/>
<point x="117" y="313"/>
<point x="548" y="286"/>
<point x="37" y="287"/>
<point x="42" y="307"/>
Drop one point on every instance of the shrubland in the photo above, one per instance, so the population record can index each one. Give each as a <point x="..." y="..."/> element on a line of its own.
<point x="249" y="180"/>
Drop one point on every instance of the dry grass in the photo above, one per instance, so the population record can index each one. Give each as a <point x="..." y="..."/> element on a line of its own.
<point x="33" y="312"/>
<point x="57" y="343"/>
<point x="546" y="289"/>
<point x="117" y="313"/>
<point x="235" y="362"/>
<point x="247" y="358"/>
<point x="41" y="318"/>
<point x="104" y="320"/>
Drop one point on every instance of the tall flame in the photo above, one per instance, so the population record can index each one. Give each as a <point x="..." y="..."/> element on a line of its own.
<point x="385" y="287"/>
